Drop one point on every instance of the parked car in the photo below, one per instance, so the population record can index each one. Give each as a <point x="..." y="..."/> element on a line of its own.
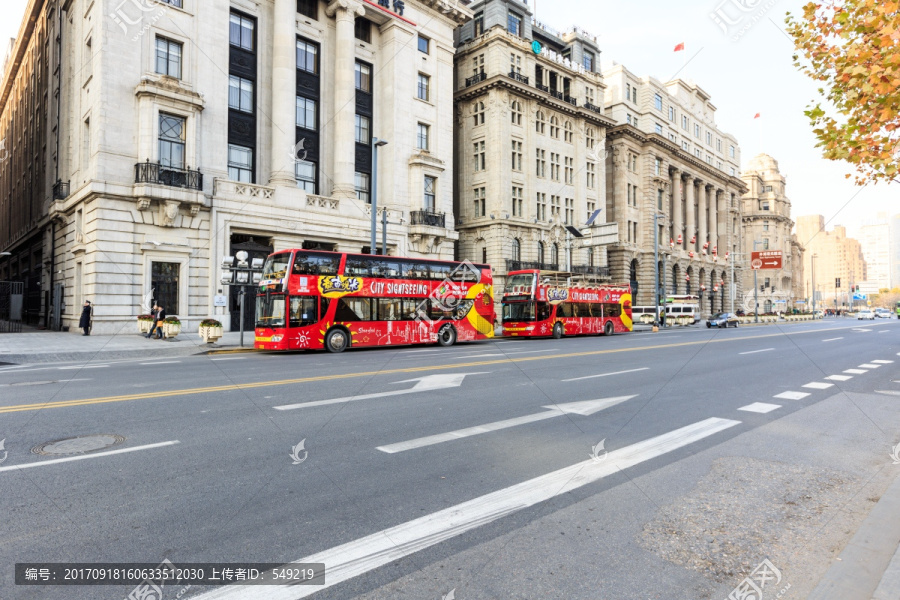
<point x="865" y="314"/>
<point x="722" y="320"/>
<point x="882" y="313"/>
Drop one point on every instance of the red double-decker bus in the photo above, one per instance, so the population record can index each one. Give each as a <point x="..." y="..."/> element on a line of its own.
<point x="552" y="303"/>
<point x="313" y="299"/>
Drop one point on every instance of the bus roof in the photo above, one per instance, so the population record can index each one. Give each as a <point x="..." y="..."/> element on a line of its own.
<point x="380" y="256"/>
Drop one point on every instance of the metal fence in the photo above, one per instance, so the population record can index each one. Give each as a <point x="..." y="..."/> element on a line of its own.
<point x="12" y="294"/>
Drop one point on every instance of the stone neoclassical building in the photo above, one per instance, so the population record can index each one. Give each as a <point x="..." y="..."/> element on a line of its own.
<point x="767" y="225"/>
<point x="530" y="138"/>
<point x="168" y="134"/>
<point x="667" y="157"/>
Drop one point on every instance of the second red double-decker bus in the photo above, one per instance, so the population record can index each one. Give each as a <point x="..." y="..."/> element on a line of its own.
<point x="313" y="299"/>
<point x="551" y="303"/>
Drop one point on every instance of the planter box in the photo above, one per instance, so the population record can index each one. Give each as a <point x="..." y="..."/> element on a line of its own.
<point x="685" y="320"/>
<point x="211" y="335"/>
<point x="171" y="330"/>
<point x="144" y="326"/>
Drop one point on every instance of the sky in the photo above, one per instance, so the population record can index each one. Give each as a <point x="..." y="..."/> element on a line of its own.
<point x="746" y="71"/>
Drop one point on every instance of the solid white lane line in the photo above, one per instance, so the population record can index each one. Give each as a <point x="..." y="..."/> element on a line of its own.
<point x="855" y="371"/>
<point x="82" y="367"/>
<point x="818" y="385"/>
<point x="869" y="366"/>
<point x="608" y="374"/>
<point x="760" y="407"/>
<point x="791" y="395"/>
<point x="832" y="339"/>
<point x="883" y="362"/>
<point x="839" y="377"/>
<point x="360" y="556"/>
<point x="755" y="351"/>
<point x="579" y="408"/>
<point x="885" y="331"/>
<point x="56" y="461"/>
<point x="888" y="392"/>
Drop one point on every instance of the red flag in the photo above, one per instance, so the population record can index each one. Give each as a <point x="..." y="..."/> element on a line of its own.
<point x="679" y="47"/>
<point x="756" y="116"/>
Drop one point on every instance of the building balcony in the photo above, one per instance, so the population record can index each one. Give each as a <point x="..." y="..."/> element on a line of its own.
<point x="156" y="173"/>
<point x="555" y="94"/>
<point x="60" y="190"/>
<point x="477" y="78"/>
<point x="427" y="218"/>
<point x="596" y="271"/>
<point x="518" y="77"/>
<point x="542" y="87"/>
<point x="522" y="265"/>
<point x="570" y="100"/>
<point x="590" y="106"/>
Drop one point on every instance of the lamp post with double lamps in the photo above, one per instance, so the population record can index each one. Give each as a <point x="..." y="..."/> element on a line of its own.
<point x="243" y="275"/>
<point x="656" y="295"/>
<point x="376" y="144"/>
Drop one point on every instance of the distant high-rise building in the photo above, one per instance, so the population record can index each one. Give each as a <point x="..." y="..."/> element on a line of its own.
<point x="875" y="239"/>
<point x="836" y="257"/>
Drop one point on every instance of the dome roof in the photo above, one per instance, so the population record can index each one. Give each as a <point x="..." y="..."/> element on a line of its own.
<point x="762" y="162"/>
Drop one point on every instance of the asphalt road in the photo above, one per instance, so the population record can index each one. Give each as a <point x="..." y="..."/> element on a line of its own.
<point x="470" y="472"/>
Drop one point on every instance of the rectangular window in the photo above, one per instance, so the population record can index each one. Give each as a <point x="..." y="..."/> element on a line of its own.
<point x="479" y="156"/>
<point x="88" y="59"/>
<point x="363" y="187"/>
<point x="731" y="151"/>
<point x="164" y="281"/>
<point x="240" y="163"/>
<point x="85" y="144"/>
<point x="307" y="56"/>
<point x="628" y="92"/>
<point x="718" y="144"/>
<point x="240" y="31"/>
<point x="168" y="57"/>
<point x="479" y="23"/>
<point x="708" y="138"/>
<point x="429" y="189"/>
<point x="305" y="172"/>
<point x="171" y="140"/>
<point x="541" y="207"/>
<point x="685" y="123"/>
<point x="672" y="113"/>
<point x="363" y="130"/>
<point x="364" y="77"/>
<point x="240" y="94"/>
<point x="308" y="8"/>
<point x="514" y="23"/>
<point x="765" y="205"/>
<point x="362" y="29"/>
<point x="480" y="201"/>
<point x="423" y="91"/>
<point x="658" y="128"/>
<point x="541" y="170"/>
<point x="424" y="42"/>
<point x="765" y="243"/>
<point x="591" y="176"/>
<point x="696" y="131"/>
<point x="516" y="155"/>
<point x="657" y="102"/>
<point x="588" y="61"/>
<point x="517" y="202"/>
<point x="422" y="137"/>
<point x="685" y="146"/>
<point x="657" y="166"/>
<point x="306" y="113"/>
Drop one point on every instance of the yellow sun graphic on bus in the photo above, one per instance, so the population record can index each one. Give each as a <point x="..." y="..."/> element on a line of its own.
<point x="328" y="326"/>
<point x="625" y="302"/>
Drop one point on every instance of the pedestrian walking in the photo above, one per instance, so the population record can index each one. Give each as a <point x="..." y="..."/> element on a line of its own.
<point x="160" y="317"/>
<point x="153" y="326"/>
<point x="87" y="317"/>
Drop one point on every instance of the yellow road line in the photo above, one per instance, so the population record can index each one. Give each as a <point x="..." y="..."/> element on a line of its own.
<point x="262" y="384"/>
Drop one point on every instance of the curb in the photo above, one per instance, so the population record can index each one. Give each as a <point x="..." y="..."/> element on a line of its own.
<point x="229" y="351"/>
<point x="862" y="565"/>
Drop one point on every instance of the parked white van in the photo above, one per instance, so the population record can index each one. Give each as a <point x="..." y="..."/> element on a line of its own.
<point x="674" y="311"/>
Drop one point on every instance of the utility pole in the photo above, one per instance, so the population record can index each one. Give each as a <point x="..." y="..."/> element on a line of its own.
<point x="813" y="264"/>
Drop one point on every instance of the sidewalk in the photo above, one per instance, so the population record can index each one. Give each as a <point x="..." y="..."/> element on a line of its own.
<point x="33" y="346"/>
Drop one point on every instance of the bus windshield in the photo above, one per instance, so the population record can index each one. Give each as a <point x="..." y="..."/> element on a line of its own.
<point x="518" y="311"/>
<point x="270" y="309"/>
<point x="276" y="266"/>
<point x="520" y="284"/>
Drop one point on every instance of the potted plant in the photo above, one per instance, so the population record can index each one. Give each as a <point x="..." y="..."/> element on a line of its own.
<point x="145" y="323"/>
<point x="171" y="327"/>
<point x="211" y="331"/>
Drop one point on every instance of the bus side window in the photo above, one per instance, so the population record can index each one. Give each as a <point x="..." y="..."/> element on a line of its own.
<point x="324" y="303"/>
<point x="613" y="310"/>
<point x="543" y="311"/>
<point x="303" y="311"/>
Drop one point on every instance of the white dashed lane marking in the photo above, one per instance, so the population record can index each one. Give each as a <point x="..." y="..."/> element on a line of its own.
<point x="791" y="395"/>
<point x="855" y="371"/>
<point x="883" y="362"/>
<point x="869" y="366"/>
<point x="839" y="377"/>
<point x="760" y="407"/>
<point x="818" y="385"/>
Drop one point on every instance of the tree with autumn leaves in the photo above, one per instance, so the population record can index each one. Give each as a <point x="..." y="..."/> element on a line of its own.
<point x="852" y="48"/>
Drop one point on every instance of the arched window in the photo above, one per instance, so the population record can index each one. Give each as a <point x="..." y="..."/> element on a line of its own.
<point x="540" y="122"/>
<point x="589" y="138"/>
<point x="478" y="113"/>
<point x="569" y="134"/>
<point x="554" y="254"/>
<point x="516" y="112"/>
<point x="516" y="249"/>
<point x="554" y="127"/>
<point x="540" y="252"/>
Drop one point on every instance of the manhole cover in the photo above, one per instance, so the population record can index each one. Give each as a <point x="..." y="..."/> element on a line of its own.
<point x="79" y="445"/>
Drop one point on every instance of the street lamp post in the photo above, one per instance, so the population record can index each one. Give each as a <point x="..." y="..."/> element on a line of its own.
<point x="376" y="144"/>
<point x="812" y="261"/>
<point x="755" y="287"/>
<point x="243" y="275"/>
<point x="656" y="217"/>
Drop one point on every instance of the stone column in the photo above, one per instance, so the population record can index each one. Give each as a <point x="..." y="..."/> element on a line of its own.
<point x="677" y="206"/>
<point x="284" y="94"/>
<point x="722" y="215"/>
<point x="713" y="218"/>
<point x="702" y="217"/>
<point x="343" y="125"/>
<point x="689" y="208"/>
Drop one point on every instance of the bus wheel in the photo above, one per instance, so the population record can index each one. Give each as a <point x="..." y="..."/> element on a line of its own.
<point x="447" y="336"/>
<point x="557" y="331"/>
<point x="337" y="340"/>
<point x="608" y="329"/>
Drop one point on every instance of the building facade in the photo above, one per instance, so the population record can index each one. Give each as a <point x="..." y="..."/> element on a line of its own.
<point x="828" y="256"/>
<point x="674" y="179"/>
<point x="187" y="130"/>
<point x="530" y="143"/>
<point x="767" y="225"/>
<point x="875" y="240"/>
